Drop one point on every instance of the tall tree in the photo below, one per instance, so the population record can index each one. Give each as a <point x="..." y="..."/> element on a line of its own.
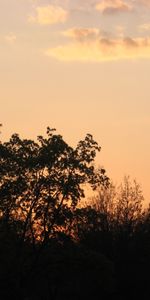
<point x="40" y="181"/>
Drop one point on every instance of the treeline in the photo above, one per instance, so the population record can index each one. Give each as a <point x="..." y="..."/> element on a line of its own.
<point x="51" y="246"/>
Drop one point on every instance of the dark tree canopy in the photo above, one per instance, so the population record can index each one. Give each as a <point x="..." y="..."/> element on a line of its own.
<point x="53" y="248"/>
<point x="40" y="181"/>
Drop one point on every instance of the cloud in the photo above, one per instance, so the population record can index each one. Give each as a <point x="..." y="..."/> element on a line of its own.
<point x="113" y="6"/>
<point x="144" y="27"/>
<point x="82" y="34"/>
<point x="120" y="30"/>
<point x="144" y="2"/>
<point x="131" y="43"/>
<point x="50" y="14"/>
<point x="10" y="38"/>
<point x="88" y="45"/>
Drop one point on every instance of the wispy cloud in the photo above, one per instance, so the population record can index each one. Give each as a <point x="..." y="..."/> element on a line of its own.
<point x="10" y="38"/>
<point x="144" y="27"/>
<point x="143" y="2"/>
<point x="51" y="14"/>
<point x="82" y="34"/>
<point x="120" y="30"/>
<point x="113" y="6"/>
<point x="89" y="45"/>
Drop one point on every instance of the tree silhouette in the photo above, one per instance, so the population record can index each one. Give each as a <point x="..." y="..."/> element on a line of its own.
<point x="41" y="180"/>
<point x="53" y="248"/>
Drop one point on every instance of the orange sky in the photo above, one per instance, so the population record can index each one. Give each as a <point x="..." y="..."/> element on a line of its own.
<point x="81" y="67"/>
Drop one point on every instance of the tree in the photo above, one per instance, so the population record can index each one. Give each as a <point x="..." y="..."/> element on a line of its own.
<point x="41" y="184"/>
<point x="121" y="204"/>
<point x="129" y="203"/>
<point x="41" y="181"/>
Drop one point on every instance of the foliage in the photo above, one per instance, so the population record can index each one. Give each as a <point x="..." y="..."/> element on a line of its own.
<point x="40" y="181"/>
<point x="53" y="248"/>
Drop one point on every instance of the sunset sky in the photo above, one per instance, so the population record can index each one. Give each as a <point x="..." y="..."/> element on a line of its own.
<point x="81" y="66"/>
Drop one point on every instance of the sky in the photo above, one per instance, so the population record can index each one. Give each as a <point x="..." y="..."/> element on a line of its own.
<point x="80" y="67"/>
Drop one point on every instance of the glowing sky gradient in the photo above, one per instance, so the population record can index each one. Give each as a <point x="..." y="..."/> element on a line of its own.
<point x="81" y="67"/>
